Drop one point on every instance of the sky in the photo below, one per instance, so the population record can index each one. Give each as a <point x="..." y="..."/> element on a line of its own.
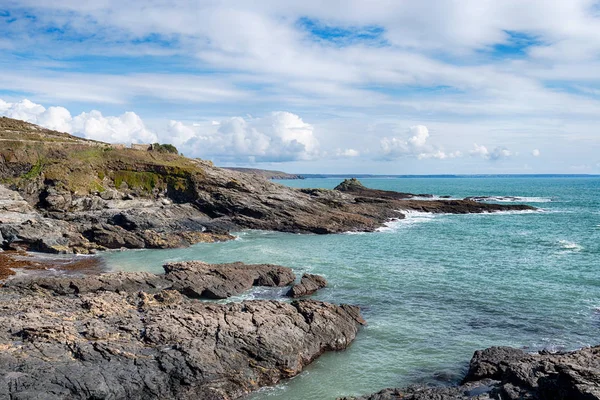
<point x="313" y="86"/>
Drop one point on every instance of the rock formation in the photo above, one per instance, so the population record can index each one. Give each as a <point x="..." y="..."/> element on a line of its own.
<point x="144" y="336"/>
<point x="309" y="284"/>
<point x="194" y="279"/>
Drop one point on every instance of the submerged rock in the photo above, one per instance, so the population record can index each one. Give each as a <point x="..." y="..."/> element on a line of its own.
<point x="309" y="284"/>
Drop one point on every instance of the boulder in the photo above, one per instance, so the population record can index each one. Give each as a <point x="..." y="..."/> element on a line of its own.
<point x="309" y="284"/>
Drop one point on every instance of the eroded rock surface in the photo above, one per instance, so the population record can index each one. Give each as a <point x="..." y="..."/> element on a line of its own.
<point x="504" y="373"/>
<point x="109" y="345"/>
<point x="309" y="284"/>
<point x="194" y="279"/>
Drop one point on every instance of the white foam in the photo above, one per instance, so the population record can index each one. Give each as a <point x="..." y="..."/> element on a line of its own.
<point x="513" y="199"/>
<point x="411" y="218"/>
<point x="435" y="198"/>
<point x="512" y="212"/>
<point x="571" y="246"/>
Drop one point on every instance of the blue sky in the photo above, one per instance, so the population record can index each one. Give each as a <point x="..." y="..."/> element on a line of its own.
<point x="360" y="86"/>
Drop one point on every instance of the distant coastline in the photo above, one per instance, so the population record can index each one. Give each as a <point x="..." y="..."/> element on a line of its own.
<point x="367" y="176"/>
<point x="266" y="173"/>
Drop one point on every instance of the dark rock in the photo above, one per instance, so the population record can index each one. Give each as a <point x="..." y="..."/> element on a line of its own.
<point x="219" y="281"/>
<point x="55" y="200"/>
<point x="350" y="185"/>
<point x="194" y="279"/>
<point x="309" y="284"/>
<point x="113" y="237"/>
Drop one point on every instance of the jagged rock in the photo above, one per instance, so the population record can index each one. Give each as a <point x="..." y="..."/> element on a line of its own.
<point x="55" y="200"/>
<point x="108" y="345"/>
<point x="113" y="237"/>
<point x="349" y="185"/>
<point x="194" y="279"/>
<point x="309" y="284"/>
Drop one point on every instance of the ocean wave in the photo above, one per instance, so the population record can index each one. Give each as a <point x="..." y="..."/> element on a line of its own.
<point x="512" y="212"/>
<point x="257" y="293"/>
<point x="570" y="246"/>
<point x="510" y="199"/>
<point x="435" y="198"/>
<point x="354" y="233"/>
<point x="410" y="218"/>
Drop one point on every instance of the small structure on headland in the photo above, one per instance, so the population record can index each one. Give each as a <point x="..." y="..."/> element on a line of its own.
<point x="141" y="146"/>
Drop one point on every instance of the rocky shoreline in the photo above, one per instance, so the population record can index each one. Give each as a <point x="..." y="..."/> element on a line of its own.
<point x="146" y="336"/>
<point x="86" y="334"/>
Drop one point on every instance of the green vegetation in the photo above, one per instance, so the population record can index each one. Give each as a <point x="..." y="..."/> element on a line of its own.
<point x="165" y="148"/>
<point x="83" y="167"/>
<point x="35" y="170"/>
<point x="145" y="181"/>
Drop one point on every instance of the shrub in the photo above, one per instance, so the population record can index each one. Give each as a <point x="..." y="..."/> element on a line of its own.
<point x="165" y="148"/>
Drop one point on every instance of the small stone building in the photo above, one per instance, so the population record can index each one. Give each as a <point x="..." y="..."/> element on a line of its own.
<point x="141" y="146"/>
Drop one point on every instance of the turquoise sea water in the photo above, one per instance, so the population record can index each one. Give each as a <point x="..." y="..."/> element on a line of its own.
<point x="435" y="288"/>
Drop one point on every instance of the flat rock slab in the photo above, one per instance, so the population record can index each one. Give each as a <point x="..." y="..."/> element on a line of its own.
<point x="109" y="345"/>
<point x="309" y="284"/>
<point x="194" y="279"/>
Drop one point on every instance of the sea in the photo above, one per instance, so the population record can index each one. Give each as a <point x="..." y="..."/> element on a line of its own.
<point x="435" y="288"/>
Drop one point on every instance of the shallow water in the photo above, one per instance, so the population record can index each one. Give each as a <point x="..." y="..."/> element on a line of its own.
<point x="435" y="288"/>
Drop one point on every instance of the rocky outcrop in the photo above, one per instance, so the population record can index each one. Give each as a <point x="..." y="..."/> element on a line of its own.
<point x="309" y="284"/>
<point x="136" y="345"/>
<point x="138" y="335"/>
<point x="194" y="279"/>
<point x="504" y="373"/>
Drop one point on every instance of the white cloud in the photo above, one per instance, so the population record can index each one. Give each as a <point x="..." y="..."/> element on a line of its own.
<point x="416" y="145"/>
<point x="278" y="136"/>
<point x="346" y="153"/>
<point x="535" y="153"/>
<point x="127" y="128"/>
<point x="496" y="154"/>
<point x="480" y="151"/>
<point x="57" y="118"/>
<point x="499" y="153"/>
<point x="420" y="135"/>
<point x="440" y="155"/>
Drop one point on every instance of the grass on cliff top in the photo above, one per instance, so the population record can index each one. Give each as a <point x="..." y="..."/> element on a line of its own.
<point x="84" y="166"/>
<point x="17" y="130"/>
